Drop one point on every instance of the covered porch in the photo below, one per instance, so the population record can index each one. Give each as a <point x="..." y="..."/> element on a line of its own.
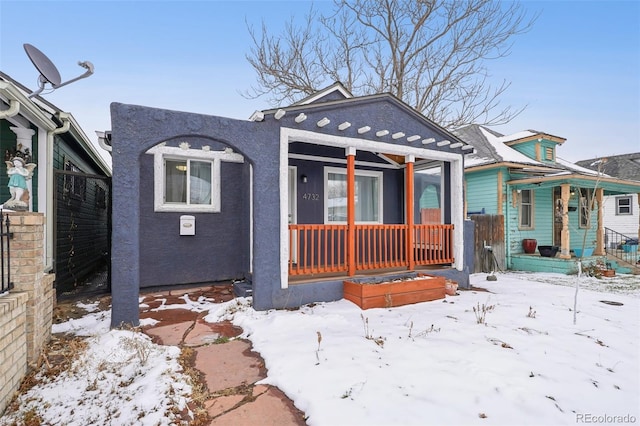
<point x="577" y="227"/>
<point x="345" y="245"/>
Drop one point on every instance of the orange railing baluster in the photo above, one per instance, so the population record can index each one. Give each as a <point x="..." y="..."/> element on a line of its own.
<point x="315" y="249"/>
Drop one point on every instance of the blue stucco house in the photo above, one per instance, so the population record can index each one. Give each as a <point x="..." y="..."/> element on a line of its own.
<point x="541" y="197"/>
<point x="291" y="201"/>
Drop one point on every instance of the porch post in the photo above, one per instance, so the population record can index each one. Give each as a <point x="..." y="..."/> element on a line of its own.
<point x="564" y="237"/>
<point x="600" y="249"/>
<point x="351" y="211"/>
<point x="409" y="160"/>
<point x="638" y="196"/>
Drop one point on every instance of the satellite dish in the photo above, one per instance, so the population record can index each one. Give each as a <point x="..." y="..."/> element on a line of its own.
<point x="48" y="71"/>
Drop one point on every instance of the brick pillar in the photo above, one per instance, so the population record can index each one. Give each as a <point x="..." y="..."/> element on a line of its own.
<point x="27" y="274"/>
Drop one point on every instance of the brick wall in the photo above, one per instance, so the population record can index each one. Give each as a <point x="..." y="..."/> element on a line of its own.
<point x="26" y="312"/>
<point x="13" y="344"/>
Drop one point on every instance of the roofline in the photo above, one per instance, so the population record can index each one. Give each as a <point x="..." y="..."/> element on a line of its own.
<point x="89" y="147"/>
<point x="510" y="164"/>
<point x="386" y="95"/>
<point x="36" y="106"/>
<point x="574" y="176"/>
<point x="15" y="94"/>
<point x="538" y="135"/>
<point x="337" y="86"/>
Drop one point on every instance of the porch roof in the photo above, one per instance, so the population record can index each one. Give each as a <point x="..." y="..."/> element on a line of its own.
<point x="611" y="186"/>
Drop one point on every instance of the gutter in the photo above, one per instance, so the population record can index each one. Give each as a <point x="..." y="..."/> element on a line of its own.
<point x="14" y="109"/>
<point x="66" y="123"/>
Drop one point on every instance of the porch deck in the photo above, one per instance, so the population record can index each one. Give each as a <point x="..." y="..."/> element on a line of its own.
<point x="365" y="275"/>
<point x="536" y="263"/>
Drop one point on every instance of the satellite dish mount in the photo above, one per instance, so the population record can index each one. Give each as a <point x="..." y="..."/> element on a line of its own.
<point x="48" y="71"/>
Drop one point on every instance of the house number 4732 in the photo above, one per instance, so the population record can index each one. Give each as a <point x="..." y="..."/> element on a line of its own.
<point x="311" y="196"/>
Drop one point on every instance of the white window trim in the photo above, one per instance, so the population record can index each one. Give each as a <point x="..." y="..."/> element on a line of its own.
<point x="532" y="225"/>
<point x="629" y="206"/>
<point x="343" y="171"/>
<point x="162" y="152"/>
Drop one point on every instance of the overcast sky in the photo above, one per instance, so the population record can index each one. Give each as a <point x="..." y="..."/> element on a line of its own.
<point x="577" y="70"/>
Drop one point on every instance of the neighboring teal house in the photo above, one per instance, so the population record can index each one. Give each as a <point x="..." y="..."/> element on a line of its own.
<point x="541" y="197"/>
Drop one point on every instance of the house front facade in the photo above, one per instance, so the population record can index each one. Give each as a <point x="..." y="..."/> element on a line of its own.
<point x="542" y="197"/>
<point x="291" y="201"/>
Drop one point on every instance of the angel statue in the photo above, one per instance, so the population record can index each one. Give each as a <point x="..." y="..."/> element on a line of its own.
<point x="19" y="173"/>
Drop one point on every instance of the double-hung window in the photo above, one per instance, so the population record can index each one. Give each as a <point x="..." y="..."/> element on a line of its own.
<point x="623" y="206"/>
<point x="368" y="196"/>
<point x="526" y="209"/>
<point x="188" y="180"/>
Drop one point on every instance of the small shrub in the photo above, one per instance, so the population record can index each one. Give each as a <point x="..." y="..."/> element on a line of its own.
<point x="481" y="312"/>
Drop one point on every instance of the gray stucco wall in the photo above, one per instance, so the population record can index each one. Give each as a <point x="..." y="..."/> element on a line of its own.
<point x="219" y="250"/>
<point x="135" y="129"/>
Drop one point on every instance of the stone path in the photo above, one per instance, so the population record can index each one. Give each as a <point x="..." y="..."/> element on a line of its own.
<point x="228" y="368"/>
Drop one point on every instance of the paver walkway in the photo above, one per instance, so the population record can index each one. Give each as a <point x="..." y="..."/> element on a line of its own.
<point x="229" y="368"/>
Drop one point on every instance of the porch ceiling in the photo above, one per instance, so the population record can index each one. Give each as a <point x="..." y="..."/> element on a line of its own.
<point x="611" y="186"/>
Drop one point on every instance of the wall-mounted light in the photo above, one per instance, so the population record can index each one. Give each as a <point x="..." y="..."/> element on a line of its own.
<point x="303" y="178"/>
<point x="181" y="167"/>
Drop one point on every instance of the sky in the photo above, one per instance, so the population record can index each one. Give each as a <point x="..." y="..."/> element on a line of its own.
<point x="577" y="71"/>
<point x="521" y="360"/>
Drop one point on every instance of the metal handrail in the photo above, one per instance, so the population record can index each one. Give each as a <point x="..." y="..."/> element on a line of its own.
<point x="617" y="246"/>
<point x="5" y="253"/>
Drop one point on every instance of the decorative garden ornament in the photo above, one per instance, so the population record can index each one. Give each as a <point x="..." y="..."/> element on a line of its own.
<point x="19" y="173"/>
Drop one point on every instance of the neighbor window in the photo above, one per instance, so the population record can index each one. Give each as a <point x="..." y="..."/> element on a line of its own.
<point x="623" y="206"/>
<point x="548" y="153"/>
<point x="526" y="209"/>
<point x="188" y="180"/>
<point x="74" y="185"/>
<point x="368" y="195"/>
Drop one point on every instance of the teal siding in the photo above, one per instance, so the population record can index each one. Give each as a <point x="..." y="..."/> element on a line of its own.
<point x="482" y="191"/>
<point x="64" y="150"/>
<point x="526" y="148"/>
<point x="542" y="229"/>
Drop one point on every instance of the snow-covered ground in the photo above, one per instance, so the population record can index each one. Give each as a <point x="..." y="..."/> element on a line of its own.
<point x="511" y="355"/>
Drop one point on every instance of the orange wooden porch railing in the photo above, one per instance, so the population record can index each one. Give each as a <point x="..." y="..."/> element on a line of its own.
<point x="316" y="249"/>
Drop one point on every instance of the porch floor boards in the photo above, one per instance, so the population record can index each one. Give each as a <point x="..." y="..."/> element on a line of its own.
<point x="332" y="276"/>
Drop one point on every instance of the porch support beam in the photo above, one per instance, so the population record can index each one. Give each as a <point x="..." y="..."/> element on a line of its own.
<point x="351" y="210"/>
<point x="600" y="251"/>
<point x="409" y="160"/>
<point x="565" y="193"/>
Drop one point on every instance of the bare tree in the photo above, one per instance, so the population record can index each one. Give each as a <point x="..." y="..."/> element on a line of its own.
<point x="432" y="54"/>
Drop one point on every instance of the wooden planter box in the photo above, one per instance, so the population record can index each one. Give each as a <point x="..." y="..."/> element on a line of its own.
<point x="394" y="293"/>
<point x="608" y="272"/>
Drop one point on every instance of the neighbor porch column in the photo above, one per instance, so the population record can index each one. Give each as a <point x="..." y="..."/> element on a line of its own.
<point x="409" y="160"/>
<point x="351" y="210"/>
<point x="638" y="196"/>
<point x="600" y="249"/>
<point x="565" y="193"/>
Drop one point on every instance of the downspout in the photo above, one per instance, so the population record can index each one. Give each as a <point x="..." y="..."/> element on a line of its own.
<point x="66" y="124"/>
<point x="14" y="109"/>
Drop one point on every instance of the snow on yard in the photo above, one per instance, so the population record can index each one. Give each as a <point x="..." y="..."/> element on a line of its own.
<point x="509" y="355"/>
